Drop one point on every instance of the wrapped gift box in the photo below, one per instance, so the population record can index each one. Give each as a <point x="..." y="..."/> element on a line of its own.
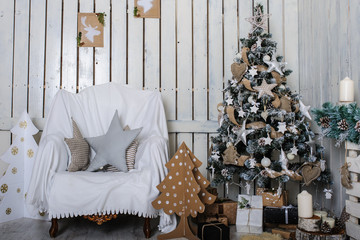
<point x="283" y="215"/>
<point x="225" y="207"/>
<point x="249" y="218"/>
<point x="213" y="231"/>
<point x="221" y="218"/>
<point x="271" y="199"/>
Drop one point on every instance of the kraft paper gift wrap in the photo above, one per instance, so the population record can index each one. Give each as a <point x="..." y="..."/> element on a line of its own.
<point x="249" y="218"/>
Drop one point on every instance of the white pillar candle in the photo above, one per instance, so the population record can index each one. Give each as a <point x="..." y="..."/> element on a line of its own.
<point x="330" y="221"/>
<point x="321" y="214"/>
<point x="305" y="204"/>
<point x="346" y="90"/>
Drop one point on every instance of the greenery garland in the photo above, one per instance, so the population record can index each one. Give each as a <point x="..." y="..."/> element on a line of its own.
<point x="339" y="122"/>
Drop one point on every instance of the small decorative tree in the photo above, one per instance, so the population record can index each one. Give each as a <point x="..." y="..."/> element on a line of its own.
<point x="183" y="191"/>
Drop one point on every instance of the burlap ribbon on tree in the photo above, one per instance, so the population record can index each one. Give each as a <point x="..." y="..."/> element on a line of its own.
<point x="244" y="57"/>
<point x="279" y="79"/>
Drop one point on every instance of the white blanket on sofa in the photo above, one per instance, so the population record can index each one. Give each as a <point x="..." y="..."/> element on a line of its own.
<point x="64" y="194"/>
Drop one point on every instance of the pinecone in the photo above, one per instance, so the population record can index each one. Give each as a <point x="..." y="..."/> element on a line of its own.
<point x="342" y="125"/>
<point x="325" y="122"/>
<point x="340" y="222"/>
<point x="325" y="227"/>
<point x="357" y="126"/>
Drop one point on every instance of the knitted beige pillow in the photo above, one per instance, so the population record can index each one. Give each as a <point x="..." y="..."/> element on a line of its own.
<point x="79" y="149"/>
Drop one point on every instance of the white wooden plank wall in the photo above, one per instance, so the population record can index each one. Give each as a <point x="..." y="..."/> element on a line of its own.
<point x="328" y="52"/>
<point x="186" y="55"/>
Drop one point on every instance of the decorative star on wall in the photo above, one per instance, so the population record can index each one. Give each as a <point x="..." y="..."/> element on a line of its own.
<point x="265" y="88"/>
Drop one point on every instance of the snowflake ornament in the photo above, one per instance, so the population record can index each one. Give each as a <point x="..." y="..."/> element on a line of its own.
<point x="253" y="71"/>
<point x="252" y="162"/>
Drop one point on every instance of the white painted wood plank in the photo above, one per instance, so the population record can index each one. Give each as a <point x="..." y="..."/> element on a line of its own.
<point x="118" y="41"/>
<point x="276" y="24"/>
<point x="354" y="164"/>
<point x="86" y="54"/>
<point x="69" y="54"/>
<point x="53" y="51"/>
<point x="168" y="58"/>
<point x="352" y="146"/>
<point x="201" y="150"/>
<point x="355" y="191"/>
<point x="184" y="59"/>
<point x="353" y="208"/>
<point x="215" y="57"/>
<point x="172" y="144"/>
<point x="185" y="137"/>
<point x="353" y="230"/>
<point x="245" y="11"/>
<point x="200" y="60"/>
<point x="192" y="126"/>
<point x="152" y="54"/>
<point x="230" y="37"/>
<point x="37" y="58"/>
<point x="102" y="55"/>
<point x="6" y="50"/>
<point x="4" y="141"/>
<point x="21" y="50"/>
<point x="135" y="48"/>
<point x="291" y="44"/>
<point x="353" y="39"/>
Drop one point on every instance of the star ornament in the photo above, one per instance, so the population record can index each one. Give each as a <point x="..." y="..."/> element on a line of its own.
<point x="268" y="140"/>
<point x="304" y="110"/>
<point x="282" y="127"/>
<point x="259" y="20"/>
<point x="241" y="113"/>
<point x="294" y="150"/>
<point x="229" y="101"/>
<point x="253" y="71"/>
<point x="265" y="88"/>
<point x="242" y="133"/>
<point x="274" y="65"/>
<point x="254" y="109"/>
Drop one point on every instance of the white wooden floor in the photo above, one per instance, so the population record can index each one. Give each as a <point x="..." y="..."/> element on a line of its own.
<point x="124" y="227"/>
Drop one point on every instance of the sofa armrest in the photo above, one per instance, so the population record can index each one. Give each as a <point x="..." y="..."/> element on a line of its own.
<point x="51" y="157"/>
<point x="153" y="153"/>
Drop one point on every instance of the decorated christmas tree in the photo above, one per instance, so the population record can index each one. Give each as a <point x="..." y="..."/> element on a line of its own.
<point x="183" y="191"/>
<point x="263" y="124"/>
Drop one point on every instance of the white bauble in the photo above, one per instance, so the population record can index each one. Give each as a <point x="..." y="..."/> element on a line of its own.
<point x="290" y="156"/>
<point x="265" y="162"/>
<point x="267" y="58"/>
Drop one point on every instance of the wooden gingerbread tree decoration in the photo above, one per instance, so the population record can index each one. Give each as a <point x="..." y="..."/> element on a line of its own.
<point x="183" y="191"/>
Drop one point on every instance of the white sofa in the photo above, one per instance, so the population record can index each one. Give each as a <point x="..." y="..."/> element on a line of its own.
<point x="69" y="194"/>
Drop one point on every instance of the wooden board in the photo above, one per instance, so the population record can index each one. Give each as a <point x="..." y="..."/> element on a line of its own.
<point x="355" y="191"/>
<point x="354" y="164"/>
<point x="353" y="230"/>
<point x="152" y="54"/>
<point x="353" y="208"/>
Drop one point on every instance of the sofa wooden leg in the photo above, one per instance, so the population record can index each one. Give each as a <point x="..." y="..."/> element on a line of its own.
<point x="147" y="228"/>
<point x="54" y="228"/>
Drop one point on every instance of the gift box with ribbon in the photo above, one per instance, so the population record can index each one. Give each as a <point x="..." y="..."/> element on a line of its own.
<point x="215" y="218"/>
<point x="225" y="207"/>
<point x="249" y="218"/>
<point x="213" y="231"/>
<point x="271" y="198"/>
<point x="284" y="215"/>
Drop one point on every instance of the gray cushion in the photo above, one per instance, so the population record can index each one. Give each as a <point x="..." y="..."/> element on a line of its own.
<point x="79" y="149"/>
<point x="111" y="147"/>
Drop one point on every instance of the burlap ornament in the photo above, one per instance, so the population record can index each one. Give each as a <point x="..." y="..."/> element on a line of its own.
<point x="231" y="156"/>
<point x="285" y="103"/>
<point x="230" y="111"/>
<point x="238" y="70"/>
<point x="276" y="103"/>
<point x="274" y="174"/>
<point x="275" y="134"/>
<point x="247" y="84"/>
<point x="183" y="178"/>
<point x="345" y="176"/>
<point x="310" y="172"/>
<point x="244" y="57"/>
<point x="256" y="125"/>
<point x="261" y="68"/>
<point x="279" y="79"/>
